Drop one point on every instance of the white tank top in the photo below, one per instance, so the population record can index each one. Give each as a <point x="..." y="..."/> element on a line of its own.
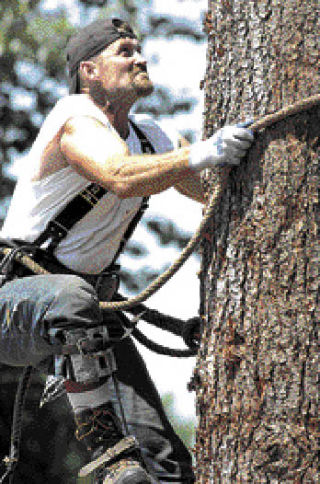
<point x="92" y="242"/>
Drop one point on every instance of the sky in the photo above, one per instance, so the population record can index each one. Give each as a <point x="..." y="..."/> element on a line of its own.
<point x="180" y="66"/>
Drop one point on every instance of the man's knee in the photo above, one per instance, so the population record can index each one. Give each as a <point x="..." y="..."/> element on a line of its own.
<point x="75" y="322"/>
<point x="35" y="309"/>
<point x="55" y="298"/>
<point x="75" y="304"/>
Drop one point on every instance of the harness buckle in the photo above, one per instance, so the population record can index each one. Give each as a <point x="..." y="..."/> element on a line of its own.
<point x="92" y="348"/>
<point x="54" y="233"/>
<point x="79" y="345"/>
<point x="56" y="229"/>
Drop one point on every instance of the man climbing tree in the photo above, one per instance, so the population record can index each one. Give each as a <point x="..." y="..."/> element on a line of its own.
<point x="87" y="175"/>
<point x="257" y="375"/>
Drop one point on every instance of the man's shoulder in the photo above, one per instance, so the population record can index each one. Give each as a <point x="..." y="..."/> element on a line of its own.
<point x="68" y="101"/>
<point x="78" y="105"/>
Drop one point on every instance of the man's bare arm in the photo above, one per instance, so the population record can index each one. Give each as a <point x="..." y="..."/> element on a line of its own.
<point x="190" y="185"/>
<point x="85" y="144"/>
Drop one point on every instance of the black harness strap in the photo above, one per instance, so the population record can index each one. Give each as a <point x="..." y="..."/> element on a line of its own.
<point x="58" y="228"/>
<point x="146" y="147"/>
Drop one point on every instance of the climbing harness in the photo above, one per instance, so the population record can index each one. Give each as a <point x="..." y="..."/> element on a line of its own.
<point x="40" y="259"/>
<point x="134" y="303"/>
<point x="58" y="228"/>
<point x="189" y="330"/>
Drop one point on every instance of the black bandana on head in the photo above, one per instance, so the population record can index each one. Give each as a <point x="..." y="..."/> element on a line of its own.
<point x="90" y="41"/>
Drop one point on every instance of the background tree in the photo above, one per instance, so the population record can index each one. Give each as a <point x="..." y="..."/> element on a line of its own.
<point x="258" y="369"/>
<point x="185" y="428"/>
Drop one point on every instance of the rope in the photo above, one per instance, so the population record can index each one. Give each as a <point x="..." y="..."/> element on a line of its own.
<point x="290" y="110"/>
<point x="26" y="261"/>
<point x="160" y="320"/>
<point x="257" y="125"/>
<point x="162" y="350"/>
<point x="12" y="459"/>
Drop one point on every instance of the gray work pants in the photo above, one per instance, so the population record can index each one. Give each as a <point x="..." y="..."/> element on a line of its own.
<point x="35" y="310"/>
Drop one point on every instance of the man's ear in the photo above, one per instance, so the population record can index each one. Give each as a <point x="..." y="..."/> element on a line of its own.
<point x="88" y="70"/>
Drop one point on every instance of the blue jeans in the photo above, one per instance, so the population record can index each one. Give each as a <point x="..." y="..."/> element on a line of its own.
<point x="33" y="312"/>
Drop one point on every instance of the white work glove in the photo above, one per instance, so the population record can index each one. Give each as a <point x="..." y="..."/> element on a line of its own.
<point x="226" y="147"/>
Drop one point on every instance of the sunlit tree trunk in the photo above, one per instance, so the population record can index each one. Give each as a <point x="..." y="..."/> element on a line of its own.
<point x="257" y="375"/>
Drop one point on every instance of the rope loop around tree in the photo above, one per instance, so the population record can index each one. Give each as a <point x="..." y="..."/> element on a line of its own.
<point x="257" y="125"/>
<point x="12" y="460"/>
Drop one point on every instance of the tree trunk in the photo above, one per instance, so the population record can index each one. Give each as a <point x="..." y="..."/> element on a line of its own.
<point x="257" y="374"/>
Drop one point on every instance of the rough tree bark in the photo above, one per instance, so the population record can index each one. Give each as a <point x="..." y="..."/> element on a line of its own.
<point x="257" y="374"/>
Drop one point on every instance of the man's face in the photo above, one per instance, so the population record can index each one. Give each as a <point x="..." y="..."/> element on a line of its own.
<point x="122" y="71"/>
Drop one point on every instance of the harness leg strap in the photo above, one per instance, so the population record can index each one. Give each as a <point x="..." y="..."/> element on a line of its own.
<point x="87" y="354"/>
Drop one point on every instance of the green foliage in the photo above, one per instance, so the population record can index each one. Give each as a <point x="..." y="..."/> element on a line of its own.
<point x="184" y="427"/>
<point x="49" y="452"/>
<point x="31" y="46"/>
<point x="32" y="63"/>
